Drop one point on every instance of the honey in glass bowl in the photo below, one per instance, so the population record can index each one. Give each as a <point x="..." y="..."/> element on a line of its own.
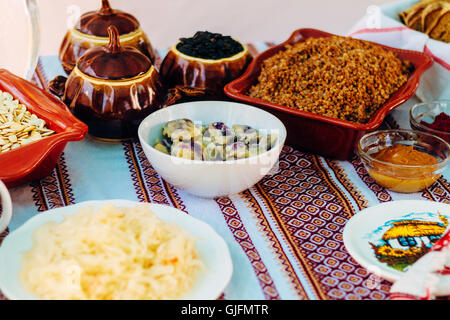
<point x="404" y="161"/>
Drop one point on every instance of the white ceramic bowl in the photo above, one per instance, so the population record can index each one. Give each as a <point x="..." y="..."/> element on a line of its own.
<point x="210" y="179"/>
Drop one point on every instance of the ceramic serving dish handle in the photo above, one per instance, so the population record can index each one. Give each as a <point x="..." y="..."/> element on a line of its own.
<point x="5" y="217"/>
<point x="186" y="94"/>
<point x="57" y="86"/>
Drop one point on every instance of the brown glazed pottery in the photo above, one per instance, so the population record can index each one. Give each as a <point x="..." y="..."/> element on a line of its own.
<point x="92" y="30"/>
<point x="207" y="75"/>
<point x="111" y="89"/>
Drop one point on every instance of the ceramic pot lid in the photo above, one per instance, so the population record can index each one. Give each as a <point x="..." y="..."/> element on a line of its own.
<point x="96" y="23"/>
<point x="113" y="62"/>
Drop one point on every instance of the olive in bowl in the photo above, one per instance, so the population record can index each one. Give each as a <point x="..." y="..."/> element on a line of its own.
<point x="192" y="165"/>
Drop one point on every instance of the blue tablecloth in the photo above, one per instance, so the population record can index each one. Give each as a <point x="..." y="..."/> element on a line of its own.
<point x="284" y="234"/>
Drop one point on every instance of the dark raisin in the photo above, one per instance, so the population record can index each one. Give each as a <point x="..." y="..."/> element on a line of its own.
<point x="207" y="45"/>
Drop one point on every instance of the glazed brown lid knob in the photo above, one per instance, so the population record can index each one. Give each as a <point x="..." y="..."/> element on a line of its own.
<point x="113" y="62"/>
<point x="106" y="8"/>
<point x="96" y="23"/>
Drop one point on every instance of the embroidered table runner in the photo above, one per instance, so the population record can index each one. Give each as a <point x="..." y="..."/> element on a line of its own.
<point x="284" y="234"/>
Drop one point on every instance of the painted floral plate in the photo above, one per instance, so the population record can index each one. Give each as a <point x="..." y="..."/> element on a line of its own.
<point x="387" y="238"/>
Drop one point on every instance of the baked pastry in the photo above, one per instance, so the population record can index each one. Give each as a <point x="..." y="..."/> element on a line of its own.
<point x="440" y="30"/>
<point x="92" y="30"/>
<point x="431" y="17"/>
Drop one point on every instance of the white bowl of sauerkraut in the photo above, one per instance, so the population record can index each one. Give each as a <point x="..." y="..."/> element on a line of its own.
<point x="212" y="148"/>
<point x="114" y="250"/>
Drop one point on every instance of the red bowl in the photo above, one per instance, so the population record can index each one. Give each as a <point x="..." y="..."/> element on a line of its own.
<point x="37" y="159"/>
<point x="319" y="134"/>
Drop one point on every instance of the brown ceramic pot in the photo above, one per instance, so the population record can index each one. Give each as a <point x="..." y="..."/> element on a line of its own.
<point x="111" y="89"/>
<point x="91" y="31"/>
<point x="181" y="70"/>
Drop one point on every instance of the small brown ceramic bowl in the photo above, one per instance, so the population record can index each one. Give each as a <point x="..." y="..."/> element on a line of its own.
<point x="209" y="75"/>
<point x="112" y="89"/>
<point x="92" y="30"/>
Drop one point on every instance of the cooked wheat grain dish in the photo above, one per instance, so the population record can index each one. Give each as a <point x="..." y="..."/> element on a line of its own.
<point x="338" y="77"/>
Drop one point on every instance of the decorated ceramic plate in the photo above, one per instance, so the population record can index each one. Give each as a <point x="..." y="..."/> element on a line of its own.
<point x="212" y="249"/>
<point x="387" y="238"/>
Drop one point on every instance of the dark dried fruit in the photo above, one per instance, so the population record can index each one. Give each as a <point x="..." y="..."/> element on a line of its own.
<point x="207" y="45"/>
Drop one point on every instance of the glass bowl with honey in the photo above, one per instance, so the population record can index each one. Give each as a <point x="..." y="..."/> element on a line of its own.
<point x="404" y="161"/>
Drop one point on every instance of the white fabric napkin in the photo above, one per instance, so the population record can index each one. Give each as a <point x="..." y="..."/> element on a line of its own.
<point x="381" y="25"/>
<point x="428" y="277"/>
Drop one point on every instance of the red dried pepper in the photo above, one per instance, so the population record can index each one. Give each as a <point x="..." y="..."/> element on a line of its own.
<point x="441" y="122"/>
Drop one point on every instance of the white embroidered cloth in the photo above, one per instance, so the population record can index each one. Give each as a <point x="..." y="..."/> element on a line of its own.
<point x="428" y="277"/>
<point x="381" y="25"/>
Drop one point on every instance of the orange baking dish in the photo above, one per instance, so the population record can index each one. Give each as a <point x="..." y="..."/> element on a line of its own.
<point x="37" y="159"/>
<point x="319" y="134"/>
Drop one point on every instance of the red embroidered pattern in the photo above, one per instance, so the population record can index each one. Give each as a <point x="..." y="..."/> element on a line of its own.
<point x="346" y="183"/>
<point x="148" y="184"/>
<point x="236" y="226"/>
<point x="274" y="243"/>
<point x="311" y="214"/>
<point x="55" y="190"/>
